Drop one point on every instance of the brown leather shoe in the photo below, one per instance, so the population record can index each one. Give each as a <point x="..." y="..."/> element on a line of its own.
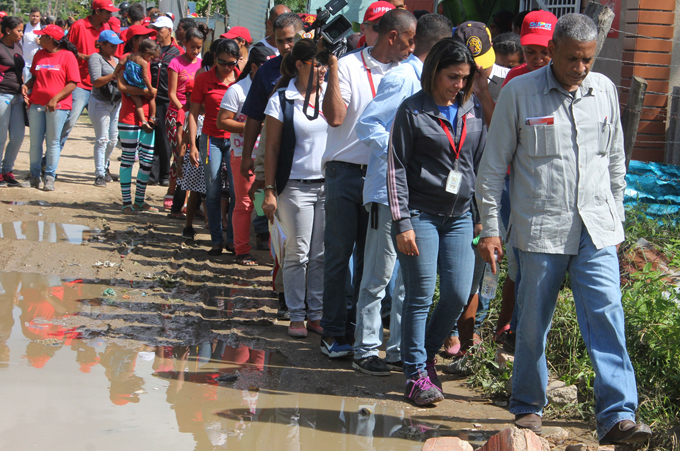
<point x="530" y="421"/>
<point x="625" y="432"/>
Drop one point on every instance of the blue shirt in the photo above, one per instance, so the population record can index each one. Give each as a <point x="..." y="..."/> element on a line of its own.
<point x="263" y="85"/>
<point x="375" y="123"/>
<point x="450" y="113"/>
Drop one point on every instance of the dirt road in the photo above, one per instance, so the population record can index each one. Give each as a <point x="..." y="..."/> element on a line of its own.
<point x="117" y="334"/>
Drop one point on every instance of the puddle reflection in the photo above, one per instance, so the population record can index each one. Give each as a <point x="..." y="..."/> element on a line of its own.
<point x="50" y="232"/>
<point x="121" y="389"/>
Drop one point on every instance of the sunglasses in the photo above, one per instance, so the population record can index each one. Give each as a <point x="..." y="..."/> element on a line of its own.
<point x="316" y="64"/>
<point x="221" y="62"/>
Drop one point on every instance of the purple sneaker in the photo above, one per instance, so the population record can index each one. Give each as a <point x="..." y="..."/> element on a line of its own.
<point x="432" y="373"/>
<point x="421" y="391"/>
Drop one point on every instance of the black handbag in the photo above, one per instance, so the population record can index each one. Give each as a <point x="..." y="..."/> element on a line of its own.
<point x="110" y="91"/>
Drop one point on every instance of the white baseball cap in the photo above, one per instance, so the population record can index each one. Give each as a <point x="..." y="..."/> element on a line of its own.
<point x="163" y="22"/>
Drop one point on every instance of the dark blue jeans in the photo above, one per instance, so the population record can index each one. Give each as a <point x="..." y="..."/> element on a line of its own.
<point x="445" y="247"/>
<point x="346" y="222"/>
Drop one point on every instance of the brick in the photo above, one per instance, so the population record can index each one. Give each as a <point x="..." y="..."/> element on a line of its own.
<point x="446" y="444"/>
<point x="655" y="140"/>
<point x="646" y="154"/>
<point x="652" y="85"/>
<point x="652" y="127"/>
<point x="647" y="45"/>
<point x="646" y="72"/>
<point x="661" y="59"/>
<point x="650" y="17"/>
<point x="652" y="100"/>
<point x="513" y="439"/>
<point x="655" y="5"/>
<point x="654" y="31"/>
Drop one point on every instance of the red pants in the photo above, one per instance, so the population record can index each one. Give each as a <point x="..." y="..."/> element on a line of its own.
<point x="243" y="208"/>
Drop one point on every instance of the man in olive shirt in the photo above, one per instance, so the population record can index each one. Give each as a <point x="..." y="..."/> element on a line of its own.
<point x="559" y="129"/>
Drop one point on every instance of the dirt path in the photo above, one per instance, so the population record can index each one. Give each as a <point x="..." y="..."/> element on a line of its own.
<point x="185" y="352"/>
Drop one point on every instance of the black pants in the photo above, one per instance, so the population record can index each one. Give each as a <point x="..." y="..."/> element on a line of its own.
<point x="162" y="152"/>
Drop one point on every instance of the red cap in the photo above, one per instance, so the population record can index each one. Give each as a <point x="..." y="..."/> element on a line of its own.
<point x="238" y="32"/>
<point x="3" y="14"/>
<point x="53" y="31"/>
<point x="104" y="4"/>
<point x="377" y="10"/>
<point x="146" y="21"/>
<point x="537" y="28"/>
<point x="138" y="30"/>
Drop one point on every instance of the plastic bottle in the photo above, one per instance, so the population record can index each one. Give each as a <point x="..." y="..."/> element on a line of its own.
<point x="40" y="109"/>
<point x="490" y="281"/>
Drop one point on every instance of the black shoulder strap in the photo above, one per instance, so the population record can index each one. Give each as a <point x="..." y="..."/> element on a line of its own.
<point x="288" y="141"/>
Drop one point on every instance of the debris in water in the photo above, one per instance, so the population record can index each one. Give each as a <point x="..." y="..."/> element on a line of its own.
<point x="109" y="293"/>
<point x="227" y="377"/>
<point x="106" y="264"/>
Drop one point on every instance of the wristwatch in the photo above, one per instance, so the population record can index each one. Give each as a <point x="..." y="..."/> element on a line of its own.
<point x="270" y="187"/>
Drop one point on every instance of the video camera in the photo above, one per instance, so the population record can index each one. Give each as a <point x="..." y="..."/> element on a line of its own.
<point x="333" y="33"/>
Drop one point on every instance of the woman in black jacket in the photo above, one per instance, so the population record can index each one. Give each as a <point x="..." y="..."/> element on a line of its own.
<point x="437" y="142"/>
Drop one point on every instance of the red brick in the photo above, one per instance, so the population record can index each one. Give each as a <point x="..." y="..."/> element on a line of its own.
<point x="646" y="154"/>
<point x="661" y="59"/>
<point x="652" y="85"/>
<point x="513" y="439"/>
<point x="654" y="31"/>
<point x="648" y="45"/>
<point x="652" y="100"/>
<point x="652" y="127"/>
<point x="656" y="5"/>
<point x="650" y="17"/>
<point x="446" y="444"/>
<point x="653" y="140"/>
<point x="646" y="72"/>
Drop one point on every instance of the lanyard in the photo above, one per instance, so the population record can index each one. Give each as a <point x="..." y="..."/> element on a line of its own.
<point x="368" y="73"/>
<point x="462" y="137"/>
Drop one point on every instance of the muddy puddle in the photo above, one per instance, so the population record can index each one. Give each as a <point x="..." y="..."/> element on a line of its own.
<point x="104" y="365"/>
<point x="49" y="232"/>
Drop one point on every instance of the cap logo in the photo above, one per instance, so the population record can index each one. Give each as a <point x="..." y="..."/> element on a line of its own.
<point x="541" y="25"/>
<point x="475" y="45"/>
<point x="381" y="9"/>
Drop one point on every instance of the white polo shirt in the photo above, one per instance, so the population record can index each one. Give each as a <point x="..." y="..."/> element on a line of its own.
<point x="233" y="101"/>
<point x="343" y="144"/>
<point x="310" y="135"/>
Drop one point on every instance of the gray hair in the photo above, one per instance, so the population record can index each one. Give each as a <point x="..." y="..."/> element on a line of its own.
<point x="578" y="27"/>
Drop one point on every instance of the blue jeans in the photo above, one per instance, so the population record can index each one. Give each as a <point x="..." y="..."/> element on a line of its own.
<point x="445" y="246"/>
<point x="482" y="302"/>
<point x="12" y="121"/>
<point x="594" y="276"/>
<point x="219" y="151"/>
<point x="104" y="117"/>
<point x="81" y="98"/>
<point x="261" y="224"/>
<point x="346" y="222"/>
<point x="45" y="126"/>
<point x="379" y="258"/>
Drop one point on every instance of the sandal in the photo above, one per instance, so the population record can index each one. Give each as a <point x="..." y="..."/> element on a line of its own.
<point x="128" y="210"/>
<point x="145" y="207"/>
<point x="167" y="201"/>
<point x="246" y="260"/>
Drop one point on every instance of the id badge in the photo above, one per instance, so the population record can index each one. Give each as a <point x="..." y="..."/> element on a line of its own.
<point x="453" y="181"/>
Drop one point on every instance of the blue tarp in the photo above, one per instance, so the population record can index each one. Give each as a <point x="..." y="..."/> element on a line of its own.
<point x="655" y="185"/>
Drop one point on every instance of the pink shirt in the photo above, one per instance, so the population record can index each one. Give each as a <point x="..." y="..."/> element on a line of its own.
<point x="185" y="72"/>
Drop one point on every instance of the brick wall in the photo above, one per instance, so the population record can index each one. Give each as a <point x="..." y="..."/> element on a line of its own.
<point x="649" y="59"/>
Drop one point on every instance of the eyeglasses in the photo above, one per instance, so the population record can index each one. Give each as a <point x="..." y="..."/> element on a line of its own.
<point x="374" y="26"/>
<point x="221" y="62"/>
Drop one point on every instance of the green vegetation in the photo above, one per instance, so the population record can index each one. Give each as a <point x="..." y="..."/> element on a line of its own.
<point x="57" y="8"/>
<point x="460" y="11"/>
<point x="652" y="307"/>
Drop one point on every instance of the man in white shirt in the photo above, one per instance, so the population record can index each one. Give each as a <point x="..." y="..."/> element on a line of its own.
<point x="29" y="41"/>
<point x="352" y="84"/>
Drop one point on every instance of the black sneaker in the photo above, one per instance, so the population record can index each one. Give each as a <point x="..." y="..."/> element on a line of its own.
<point x="422" y="391"/>
<point x="336" y="347"/>
<point x="373" y="365"/>
<point x="110" y="177"/>
<point x="432" y="372"/>
<point x="10" y="181"/>
<point x="100" y="181"/>
<point x="189" y="233"/>
<point x="509" y="342"/>
<point x="397" y="366"/>
<point x="282" y="313"/>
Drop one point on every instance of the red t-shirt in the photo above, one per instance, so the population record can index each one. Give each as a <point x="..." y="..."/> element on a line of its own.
<point x="51" y="72"/>
<point x="209" y="91"/>
<point x="84" y="35"/>
<point x="516" y="72"/>
<point x="127" y="108"/>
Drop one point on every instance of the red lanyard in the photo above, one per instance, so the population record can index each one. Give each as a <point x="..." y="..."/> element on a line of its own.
<point x="462" y="137"/>
<point x="368" y="72"/>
